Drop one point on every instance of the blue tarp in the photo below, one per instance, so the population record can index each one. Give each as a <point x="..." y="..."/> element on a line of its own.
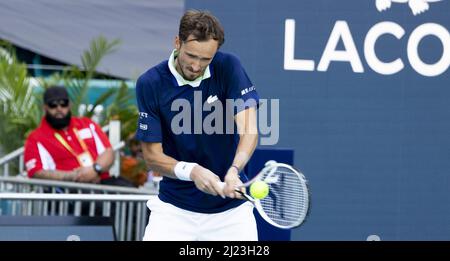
<point x="62" y="29"/>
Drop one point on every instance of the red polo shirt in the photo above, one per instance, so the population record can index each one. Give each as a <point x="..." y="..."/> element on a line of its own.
<point x="44" y="151"/>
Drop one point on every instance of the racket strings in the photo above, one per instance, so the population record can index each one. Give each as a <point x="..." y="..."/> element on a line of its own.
<point x="287" y="202"/>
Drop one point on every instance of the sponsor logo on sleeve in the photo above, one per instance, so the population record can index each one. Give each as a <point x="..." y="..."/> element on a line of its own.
<point x="143" y="115"/>
<point x="247" y="90"/>
<point x="31" y="164"/>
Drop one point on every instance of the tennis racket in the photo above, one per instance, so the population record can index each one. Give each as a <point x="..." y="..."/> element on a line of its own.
<point x="287" y="204"/>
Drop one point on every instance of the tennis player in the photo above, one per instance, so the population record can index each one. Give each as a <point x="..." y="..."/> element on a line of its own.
<point x="191" y="204"/>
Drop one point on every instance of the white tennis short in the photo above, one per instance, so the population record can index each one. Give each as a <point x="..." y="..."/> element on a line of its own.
<point x="170" y="223"/>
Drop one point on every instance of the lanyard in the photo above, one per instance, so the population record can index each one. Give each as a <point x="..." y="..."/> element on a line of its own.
<point x="67" y="146"/>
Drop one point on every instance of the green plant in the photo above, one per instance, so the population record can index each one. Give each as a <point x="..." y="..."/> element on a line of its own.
<point x="20" y="109"/>
<point x="121" y="109"/>
<point x="21" y="106"/>
<point x="77" y="80"/>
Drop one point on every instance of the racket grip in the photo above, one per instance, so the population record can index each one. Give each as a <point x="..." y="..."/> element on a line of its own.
<point x="223" y="184"/>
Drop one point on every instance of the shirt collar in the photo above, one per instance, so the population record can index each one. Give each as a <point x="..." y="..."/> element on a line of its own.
<point x="180" y="80"/>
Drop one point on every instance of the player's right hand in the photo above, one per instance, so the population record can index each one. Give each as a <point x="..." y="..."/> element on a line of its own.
<point x="206" y="181"/>
<point x="232" y="182"/>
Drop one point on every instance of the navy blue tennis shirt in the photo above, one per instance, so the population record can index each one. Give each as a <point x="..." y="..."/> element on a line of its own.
<point x="161" y="90"/>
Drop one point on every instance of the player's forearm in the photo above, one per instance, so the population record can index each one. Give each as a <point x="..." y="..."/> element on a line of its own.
<point x="248" y="137"/>
<point x="163" y="164"/>
<point x="158" y="161"/>
<point x="246" y="147"/>
<point x="60" y="175"/>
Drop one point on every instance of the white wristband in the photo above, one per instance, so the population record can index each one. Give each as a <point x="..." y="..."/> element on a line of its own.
<point x="183" y="170"/>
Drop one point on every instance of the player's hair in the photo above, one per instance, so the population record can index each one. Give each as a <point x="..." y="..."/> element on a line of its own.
<point x="202" y="25"/>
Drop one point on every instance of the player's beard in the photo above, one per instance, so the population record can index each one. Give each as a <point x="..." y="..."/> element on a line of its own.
<point x="183" y="74"/>
<point x="58" y="123"/>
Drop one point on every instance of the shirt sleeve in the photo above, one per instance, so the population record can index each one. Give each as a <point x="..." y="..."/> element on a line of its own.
<point x="149" y="123"/>
<point x="32" y="158"/>
<point x="239" y="86"/>
<point x="99" y="134"/>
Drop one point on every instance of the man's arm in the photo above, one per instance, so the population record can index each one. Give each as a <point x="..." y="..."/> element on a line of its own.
<point x="88" y="174"/>
<point x="60" y="175"/>
<point x="204" y="179"/>
<point x="106" y="159"/>
<point x="83" y="174"/>
<point x="248" y="139"/>
<point x="157" y="160"/>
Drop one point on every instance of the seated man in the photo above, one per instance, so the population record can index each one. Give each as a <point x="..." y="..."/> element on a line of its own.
<point x="68" y="148"/>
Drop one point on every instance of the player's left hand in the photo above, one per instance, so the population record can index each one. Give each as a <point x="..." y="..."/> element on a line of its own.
<point x="232" y="181"/>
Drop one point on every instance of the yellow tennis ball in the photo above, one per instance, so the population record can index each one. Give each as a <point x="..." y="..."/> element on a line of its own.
<point x="259" y="189"/>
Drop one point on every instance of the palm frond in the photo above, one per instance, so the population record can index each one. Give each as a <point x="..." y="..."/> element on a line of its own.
<point x="99" y="48"/>
<point x="100" y="100"/>
<point x="20" y="110"/>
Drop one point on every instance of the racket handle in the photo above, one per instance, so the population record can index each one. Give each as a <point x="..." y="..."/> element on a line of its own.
<point x="223" y="184"/>
<point x="246" y="197"/>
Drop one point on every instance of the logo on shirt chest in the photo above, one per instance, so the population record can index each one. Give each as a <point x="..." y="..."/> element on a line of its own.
<point x="85" y="133"/>
<point x="211" y="99"/>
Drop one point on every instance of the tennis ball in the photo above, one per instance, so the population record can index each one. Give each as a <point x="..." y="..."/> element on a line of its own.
<point x="259" y="189"/>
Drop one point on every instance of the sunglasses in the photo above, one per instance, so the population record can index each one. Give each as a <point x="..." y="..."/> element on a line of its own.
<point x="61" y="103"/>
